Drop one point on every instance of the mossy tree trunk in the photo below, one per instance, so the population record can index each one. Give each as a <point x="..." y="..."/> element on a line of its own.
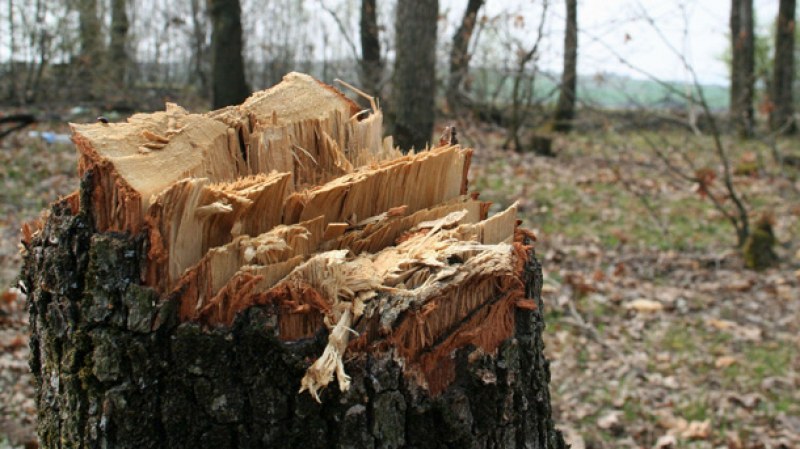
<point x="115" y="368"/>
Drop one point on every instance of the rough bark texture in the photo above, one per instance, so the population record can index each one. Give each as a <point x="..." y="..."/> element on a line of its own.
<point x="742" y="67"/>
<point x="565" y="109"/>
<point x="228" y="81"/>
<point x="459" y="55"/>
<point x="371" y="64"/>
<point x="781" y="116"/>
<point x="415" y="73"/>
<point x="114" y="368"/>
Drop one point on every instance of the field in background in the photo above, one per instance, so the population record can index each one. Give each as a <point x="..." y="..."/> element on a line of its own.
<point x="656" y="332"/>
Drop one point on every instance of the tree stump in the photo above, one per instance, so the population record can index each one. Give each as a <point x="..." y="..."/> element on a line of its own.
<point x="216" y="273"/>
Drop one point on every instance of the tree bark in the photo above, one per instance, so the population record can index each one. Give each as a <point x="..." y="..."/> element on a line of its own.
<point x="781" y="117"/>
<point x="414" y="86"/>
<point x="118" y="47"/>
<point x="565" y="109"/>
<point x="371" y="63"/>
<point x="91" y="48"/>
<point x="229" y="85"/>
<point x="742" y="67"/>
<point x="459" y="55"/>
<point x="115" y="368"/>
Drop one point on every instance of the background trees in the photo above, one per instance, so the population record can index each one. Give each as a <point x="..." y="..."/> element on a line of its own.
<point x="781" y="114"/>
<point x="742" y="66"/>
<point x="228" y="82"/>
<point x="414" y="82"/>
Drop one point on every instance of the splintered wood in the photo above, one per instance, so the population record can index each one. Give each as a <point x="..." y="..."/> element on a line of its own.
<point x="294" y="199"/>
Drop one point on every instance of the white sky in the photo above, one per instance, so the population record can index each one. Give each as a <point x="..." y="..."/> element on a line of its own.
<point x="604" y="24"/>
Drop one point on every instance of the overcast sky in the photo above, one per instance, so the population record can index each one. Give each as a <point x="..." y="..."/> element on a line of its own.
<point x="620" y="26"/>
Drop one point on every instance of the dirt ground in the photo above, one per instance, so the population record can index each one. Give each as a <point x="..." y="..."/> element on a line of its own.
<point x="658" y="335"/>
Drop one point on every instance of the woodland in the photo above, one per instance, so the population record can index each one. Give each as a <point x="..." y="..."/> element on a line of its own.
<point x="631" y="238"/>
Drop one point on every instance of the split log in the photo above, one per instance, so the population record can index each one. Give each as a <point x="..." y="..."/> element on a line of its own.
<point x="277" y="275"/>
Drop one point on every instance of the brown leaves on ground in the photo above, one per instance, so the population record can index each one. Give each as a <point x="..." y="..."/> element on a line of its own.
<point x="658" y="336"/>
<point x="657" y="340"/>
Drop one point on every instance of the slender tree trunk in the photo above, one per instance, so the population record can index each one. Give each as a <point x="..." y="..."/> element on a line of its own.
<point x="228" y="82"/>
<point x="199" y="47"/>
<point x="118" y="48"/>
<point x="742" y="67"/>
<point x="781" y="117"/>
<point x="565" y="109"/>
<point x="459" y="54"/>
<point x="371" y="64"/>
<point x="91" y="47"/>
<point x="414" y="86"/>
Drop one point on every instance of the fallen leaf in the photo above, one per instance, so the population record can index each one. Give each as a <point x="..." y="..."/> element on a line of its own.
<point x="573" y="439"/>
<point x="666" y="442"/>
<point x="645" y="305"/>
<point x="609" y="421"/>
<point x="547" y="288"/>
<point x="697" y="430"/>
<point x="741" y="285"/>
<point x="724" y="361"/>
<point x="720" y="324"/>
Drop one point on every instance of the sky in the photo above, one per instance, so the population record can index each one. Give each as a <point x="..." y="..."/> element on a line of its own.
<point x="614" y="29"/>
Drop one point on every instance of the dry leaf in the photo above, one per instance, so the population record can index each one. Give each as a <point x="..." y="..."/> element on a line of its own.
<point x="725" y="361"/>
<point x="741" y="285"/>
<point x="666" y="442"/>
<point x="609" y="420"/>
<point x="645" y="305"/>
<point x="720" y="324"/>
<point x="697" y="430"/>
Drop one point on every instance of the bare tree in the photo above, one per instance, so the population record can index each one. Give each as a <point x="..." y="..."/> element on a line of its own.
<point x="742" y="67"/>
<point x="199" y="46"/>
<point x="118" y="47"/>
<point x="227" y="78"/>
<point x="459" y="54"/>
<point x="565" y="109"/>
<point x="781" y="115"/>
<point x="91" y="49"/>
<point x="371" y="63"/>
<point x="414" y="85"/>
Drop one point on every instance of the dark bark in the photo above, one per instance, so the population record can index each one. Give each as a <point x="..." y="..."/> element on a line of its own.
<point x="371" y="63"/>
<point x="228" y="82"/>
<point x="114" y="368"/>
<point x="565" y="109"/>
<point x="414" y="83"/>
<point x="459" y="55"/>
<point x="781" y="117"/>
<point x="742" y="67"/>
<point x="118" y="47"/>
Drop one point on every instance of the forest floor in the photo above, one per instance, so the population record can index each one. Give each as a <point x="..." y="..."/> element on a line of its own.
<point x="657" y="334"/>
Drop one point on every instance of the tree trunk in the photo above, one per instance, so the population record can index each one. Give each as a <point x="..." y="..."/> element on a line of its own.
<point x="781" y="117"/>
<point x="199" y="48"/>
<point x="742" y="67"/>
<point x="565" y="109"/>
<point x="432" y="326"/>
<point x="371" y="63"/>
<point x="91" y="47"/>
<point x="459" y="55"/>
<point x="118" y="47"/>
<point x="414" y="83"/>
<point x="228" y="82"/>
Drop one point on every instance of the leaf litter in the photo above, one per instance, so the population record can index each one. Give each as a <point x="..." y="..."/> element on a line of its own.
<point x="656" y="339"/>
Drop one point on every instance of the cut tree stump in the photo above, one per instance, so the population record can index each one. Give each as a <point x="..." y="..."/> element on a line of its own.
<point x="278" y="275"/>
